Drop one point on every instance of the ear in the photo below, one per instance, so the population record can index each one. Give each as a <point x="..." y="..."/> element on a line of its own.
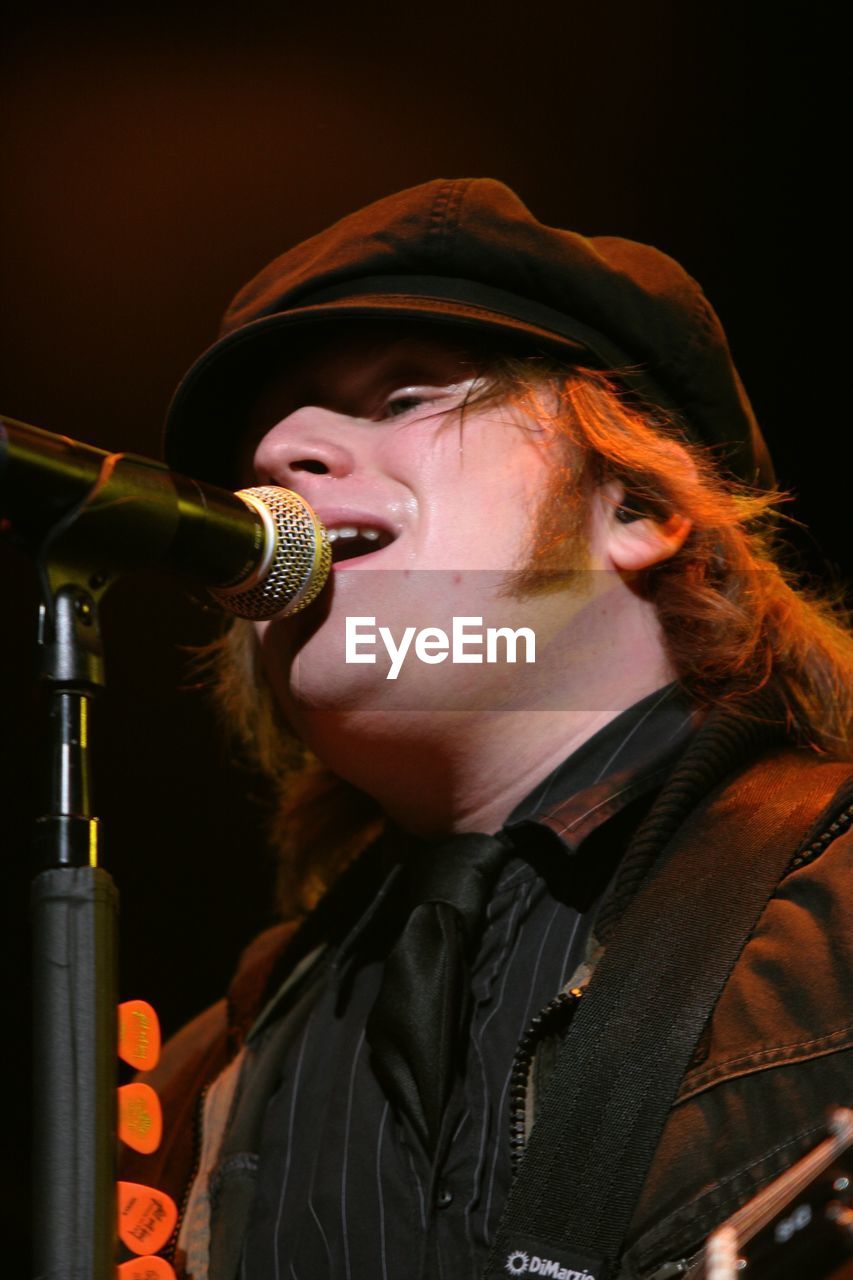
<point x="641" y="542"/>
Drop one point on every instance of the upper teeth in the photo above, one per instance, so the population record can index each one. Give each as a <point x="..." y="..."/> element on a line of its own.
<point x="353" y="531"/>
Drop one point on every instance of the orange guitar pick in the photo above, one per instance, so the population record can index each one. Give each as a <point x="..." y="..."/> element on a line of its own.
<point x="145" y="1269"/>
<point x="140" y="1117"/>
<point x="138" y="1034"/>
<point x="146" y="1217"/>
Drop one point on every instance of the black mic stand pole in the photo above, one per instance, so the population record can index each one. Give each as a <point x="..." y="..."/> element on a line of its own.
<point x="74" y="909"/>
<point x="74" y="901"/>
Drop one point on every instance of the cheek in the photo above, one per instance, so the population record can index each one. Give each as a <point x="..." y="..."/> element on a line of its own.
<point x="506" y="479"/>
<point x="516" y="453"/>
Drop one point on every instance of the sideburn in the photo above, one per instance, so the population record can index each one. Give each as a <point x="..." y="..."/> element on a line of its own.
<point x="559" y="557"/>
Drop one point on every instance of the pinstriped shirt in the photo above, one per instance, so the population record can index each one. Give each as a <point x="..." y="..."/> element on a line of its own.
<point x="343" y="1188"/>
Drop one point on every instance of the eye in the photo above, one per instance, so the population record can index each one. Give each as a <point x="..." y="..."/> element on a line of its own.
<point x="406" y="399"/>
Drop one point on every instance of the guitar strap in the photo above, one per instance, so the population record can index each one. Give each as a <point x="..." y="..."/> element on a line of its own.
<point x="619" y="1068"/>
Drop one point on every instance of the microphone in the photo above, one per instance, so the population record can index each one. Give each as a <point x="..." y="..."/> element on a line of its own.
<point x="262" y="553"/>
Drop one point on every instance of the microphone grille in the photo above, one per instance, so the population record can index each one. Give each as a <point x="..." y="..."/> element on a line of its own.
<point x="296" y="563"/>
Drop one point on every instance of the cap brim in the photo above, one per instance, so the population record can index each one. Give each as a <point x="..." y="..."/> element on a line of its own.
<point x="206" y="417"/>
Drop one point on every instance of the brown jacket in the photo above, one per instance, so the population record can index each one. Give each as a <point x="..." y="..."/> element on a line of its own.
<point x="754" y="1099"/>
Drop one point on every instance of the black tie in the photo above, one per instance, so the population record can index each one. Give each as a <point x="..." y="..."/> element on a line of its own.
<point x="414" y="1026"/>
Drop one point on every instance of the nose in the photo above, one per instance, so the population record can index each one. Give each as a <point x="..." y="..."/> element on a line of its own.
<point x="311" y="439"/>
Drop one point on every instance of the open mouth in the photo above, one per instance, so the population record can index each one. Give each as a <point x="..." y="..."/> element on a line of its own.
<point x="351" y="540"/>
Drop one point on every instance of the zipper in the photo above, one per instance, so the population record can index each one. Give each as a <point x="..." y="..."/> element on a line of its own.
<point x="172" y="1244"/>
<point x="555" y="1017"/>
<point x="815" y="848"/>
<point x="557" y="1014"/>
<point x="671" y="1270"/>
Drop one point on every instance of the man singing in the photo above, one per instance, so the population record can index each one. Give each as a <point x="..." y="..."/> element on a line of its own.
<point x="556" y="718"/>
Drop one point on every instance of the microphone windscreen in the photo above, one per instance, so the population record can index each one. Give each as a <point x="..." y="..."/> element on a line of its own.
<point x="295" y="564"/>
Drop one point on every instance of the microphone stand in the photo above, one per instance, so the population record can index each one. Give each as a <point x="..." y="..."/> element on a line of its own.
<point x="74" y="910"/>
<point x="74" y="900"/>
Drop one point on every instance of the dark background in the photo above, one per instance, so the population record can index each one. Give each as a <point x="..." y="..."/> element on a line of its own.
<point x="151" y="163"/>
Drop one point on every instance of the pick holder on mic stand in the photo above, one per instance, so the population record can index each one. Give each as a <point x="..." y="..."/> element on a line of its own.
<point x="74" y="900"/>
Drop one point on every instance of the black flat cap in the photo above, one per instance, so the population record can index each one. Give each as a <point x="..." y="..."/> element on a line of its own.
<point x="466" y="252"/>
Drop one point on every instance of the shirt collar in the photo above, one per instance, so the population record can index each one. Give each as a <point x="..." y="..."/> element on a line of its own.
<point x="632" y="754"/>
<point x="628" y="757"/>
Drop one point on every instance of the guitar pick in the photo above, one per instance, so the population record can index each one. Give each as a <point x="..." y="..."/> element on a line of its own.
<point x="140" y="1117"/>
<point x="145" y="1269"/>
<point x="138" y="1034"/>
<point x="146" y="1217"/>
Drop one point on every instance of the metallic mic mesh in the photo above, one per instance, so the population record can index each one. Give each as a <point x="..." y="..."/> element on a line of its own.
<point x="300" y="563"/>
